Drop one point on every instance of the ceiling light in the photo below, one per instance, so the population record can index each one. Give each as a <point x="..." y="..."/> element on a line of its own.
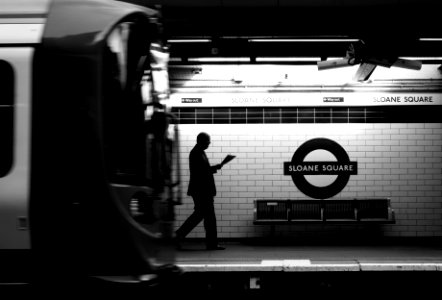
<point x="220" y="59"/>
<point x="430" y="39"/>
<point x="423" y="58"/>
<point x="189" y="41"/>
<point x="303" y="40"/>
<point x="286" y="59"/>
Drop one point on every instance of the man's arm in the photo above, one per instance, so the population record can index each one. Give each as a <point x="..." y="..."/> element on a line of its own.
<point x="215" y="168"/>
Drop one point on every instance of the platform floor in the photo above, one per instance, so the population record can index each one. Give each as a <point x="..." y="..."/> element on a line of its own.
<point x="262" y="256"/>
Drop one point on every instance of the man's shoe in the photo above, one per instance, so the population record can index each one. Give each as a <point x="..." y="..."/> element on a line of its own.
<point x="215" y="248"/>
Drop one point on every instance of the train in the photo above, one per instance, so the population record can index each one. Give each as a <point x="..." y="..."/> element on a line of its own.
<point x="89" y="173"/>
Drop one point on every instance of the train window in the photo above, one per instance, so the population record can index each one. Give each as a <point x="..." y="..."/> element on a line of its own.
<point x="135" y="123"/>
<point x="159" y="60"/>
<point x="6" y="116"/>
<point x="124" y="61"/>
<point x="117" y="43"/>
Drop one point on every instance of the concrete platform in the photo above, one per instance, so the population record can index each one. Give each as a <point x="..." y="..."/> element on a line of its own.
<point x="276" y="256"/>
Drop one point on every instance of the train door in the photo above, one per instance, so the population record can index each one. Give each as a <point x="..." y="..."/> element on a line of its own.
<point x="19" y="36"/>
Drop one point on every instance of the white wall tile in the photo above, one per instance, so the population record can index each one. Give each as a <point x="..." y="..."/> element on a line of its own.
<point x="399" y="161"/>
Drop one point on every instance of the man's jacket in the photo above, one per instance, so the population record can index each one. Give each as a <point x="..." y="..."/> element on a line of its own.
<point x="201" y="181"/>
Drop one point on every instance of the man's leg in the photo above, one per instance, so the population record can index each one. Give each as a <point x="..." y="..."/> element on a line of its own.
<point x="194" y="219"/>
<point x="211" y="228"/>
<point x="210" y="225"/>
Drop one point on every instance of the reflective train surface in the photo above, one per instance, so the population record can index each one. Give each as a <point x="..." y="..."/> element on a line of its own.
<point x="88" y="154"/>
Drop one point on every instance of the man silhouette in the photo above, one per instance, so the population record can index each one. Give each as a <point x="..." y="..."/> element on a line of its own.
<point x="203" y="190"/>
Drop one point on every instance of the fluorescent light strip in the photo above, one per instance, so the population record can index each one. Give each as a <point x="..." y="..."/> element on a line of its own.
<point x="430" y="39"/>
<point x="287" y="59"/>
<point x="221" y="59"/>
<point x="302" y="40"/>
<point x="422" y="58"/>
<point x="291" y="40"/>
<point x="190" y="41"/>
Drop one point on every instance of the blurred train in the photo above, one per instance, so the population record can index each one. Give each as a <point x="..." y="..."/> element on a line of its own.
<point x="88" y="154"/>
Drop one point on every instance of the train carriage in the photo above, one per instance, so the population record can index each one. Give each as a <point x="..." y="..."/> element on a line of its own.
<point x="88" y="172"/>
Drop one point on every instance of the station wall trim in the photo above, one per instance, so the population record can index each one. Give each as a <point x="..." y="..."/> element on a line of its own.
<point x="320" y="115"/>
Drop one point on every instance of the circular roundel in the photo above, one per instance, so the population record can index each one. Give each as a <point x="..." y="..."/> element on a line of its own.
<point x="306" y="187"/>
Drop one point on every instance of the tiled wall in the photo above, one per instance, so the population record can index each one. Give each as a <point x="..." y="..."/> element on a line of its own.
<point x="401" y="161"/>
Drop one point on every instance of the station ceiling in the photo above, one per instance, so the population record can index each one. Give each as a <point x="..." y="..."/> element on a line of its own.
<point x="299" y="28"/>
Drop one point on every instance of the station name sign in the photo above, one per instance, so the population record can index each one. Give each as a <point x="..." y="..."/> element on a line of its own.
<point x="404" y="99"/>
<point x="297" y="168"/>
<point x="320" y="168"/>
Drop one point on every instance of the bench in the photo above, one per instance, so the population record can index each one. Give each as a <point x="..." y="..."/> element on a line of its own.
<point x="335" y="211"/>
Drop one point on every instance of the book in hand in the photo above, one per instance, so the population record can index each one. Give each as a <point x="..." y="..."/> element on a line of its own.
<point x="227" y="159"/>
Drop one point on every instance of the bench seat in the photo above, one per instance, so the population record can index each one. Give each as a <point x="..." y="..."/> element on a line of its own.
<point x="336" y="211"/>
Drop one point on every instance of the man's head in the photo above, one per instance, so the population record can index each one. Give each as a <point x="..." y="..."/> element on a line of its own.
<point x="203" y="140"/>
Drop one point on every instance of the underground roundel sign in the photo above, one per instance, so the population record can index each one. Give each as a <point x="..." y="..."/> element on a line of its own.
<point x="341" y="167"/>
